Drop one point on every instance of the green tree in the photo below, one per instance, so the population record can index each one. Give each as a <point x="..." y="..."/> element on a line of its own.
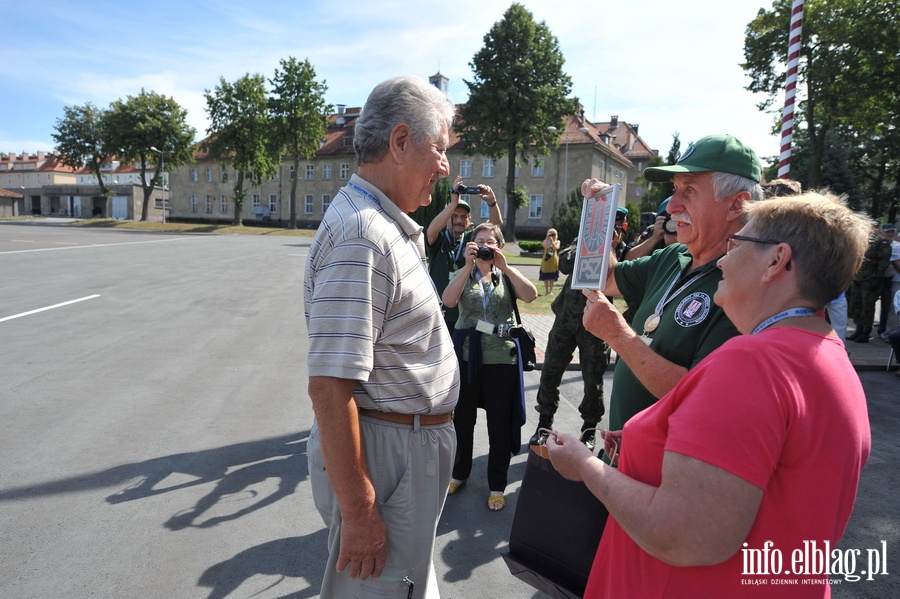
<point x="439" y="199"/>
<point x="299" y="117"/>
<point x="145" y="121"/>
<point x="240" y="132"/>
<point x="81" y="143"/>
<point x="519" y="90"/>
<point x="850" y="63"/>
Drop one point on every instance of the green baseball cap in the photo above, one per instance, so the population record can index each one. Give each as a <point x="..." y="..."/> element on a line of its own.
<point x="465" y="204"/>
<point x="723" y="153"/>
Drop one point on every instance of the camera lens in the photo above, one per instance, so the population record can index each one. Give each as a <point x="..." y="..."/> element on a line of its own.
<point x="485" y="253"/>
<point x="670" y="226"/>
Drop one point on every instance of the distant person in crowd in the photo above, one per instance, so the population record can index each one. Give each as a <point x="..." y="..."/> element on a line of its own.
<point x="447" y="236"/>
<point x="866" y="287"/>
<point x="676" y="323"/>
<point x="781" y="188"/>
<point x="759" y="446"/>
<point x="890" y="285"/>
<point x="894" y="334"/>
<point x="485" y="289"/>
<point x="566" y="335"/>
<point x="549" y="272"/>
<point x="662" y="233"/>
<point x="382" y="444"/>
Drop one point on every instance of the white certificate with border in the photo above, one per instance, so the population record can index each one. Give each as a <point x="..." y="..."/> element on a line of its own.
<point x="598" y="223"/>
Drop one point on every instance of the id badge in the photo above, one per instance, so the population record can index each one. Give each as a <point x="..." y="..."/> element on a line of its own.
<point x="484" y="327"/>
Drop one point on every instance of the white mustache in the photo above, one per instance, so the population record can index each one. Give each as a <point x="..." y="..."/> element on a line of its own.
<point x="682" y="217"/>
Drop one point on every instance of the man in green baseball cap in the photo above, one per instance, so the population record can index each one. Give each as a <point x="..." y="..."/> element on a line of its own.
<point x="672" y="288"/>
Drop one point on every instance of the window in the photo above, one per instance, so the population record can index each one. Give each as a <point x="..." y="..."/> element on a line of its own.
<point x="310" y="172"/>
<point x="292" y="172"/>
<point x="326" y="172"/>
<point x="273" y="202"/>
<point x="517" y="169"/>
<point x="224" y="175"/>
<point x="536" y="206"/>
<point x="488" y="170"/>
<point x="345" y="171"/>
<point x="209" y="203"/>
<point x="465" y="169"/>
<point x="485" y="211"/>
<point x="308" y="204"/>
<point x="256" y="200"/>
<point x="326" y="202"/>
<point x="537" y="167"/>
<point x="274" y="177"/>
<point x="223" y="204"/>
<point x="194" y="176"/>
<point x="209" y="177"/>
<point x="194" y="201"/>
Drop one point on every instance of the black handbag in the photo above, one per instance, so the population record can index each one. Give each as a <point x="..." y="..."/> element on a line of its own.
<point x="555" y="531"/>
<point x="524" y="338"/>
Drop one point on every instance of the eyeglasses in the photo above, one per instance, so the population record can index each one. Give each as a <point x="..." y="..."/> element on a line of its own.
<point x="483" y="242"/>
<point x="729" y="244"/>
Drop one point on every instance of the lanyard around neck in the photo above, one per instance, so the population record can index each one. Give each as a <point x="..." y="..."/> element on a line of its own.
<point x="789" y="313"/>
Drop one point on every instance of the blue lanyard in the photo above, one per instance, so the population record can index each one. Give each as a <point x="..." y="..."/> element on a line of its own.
<point x="363" y="191"/>
<point x="790" y="313"/>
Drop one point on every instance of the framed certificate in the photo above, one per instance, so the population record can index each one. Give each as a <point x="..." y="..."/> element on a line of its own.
<point x="598" y="223"/>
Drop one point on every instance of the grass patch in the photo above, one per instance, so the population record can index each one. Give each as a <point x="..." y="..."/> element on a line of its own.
<point x="109" y="223"/>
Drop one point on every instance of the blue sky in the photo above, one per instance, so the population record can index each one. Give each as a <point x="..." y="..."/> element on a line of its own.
<point x="651" y="62"/>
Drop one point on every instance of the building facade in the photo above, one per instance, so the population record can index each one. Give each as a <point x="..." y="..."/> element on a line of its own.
<point x="203" y="190"/>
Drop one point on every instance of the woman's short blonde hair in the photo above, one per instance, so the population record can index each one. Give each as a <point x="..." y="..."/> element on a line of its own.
<point x="827" y="239"/>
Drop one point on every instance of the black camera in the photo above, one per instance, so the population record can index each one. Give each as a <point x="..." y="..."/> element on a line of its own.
<point x="463" y="190"/>
<point x="484" y="253"/>
<point x="670" y="226"/>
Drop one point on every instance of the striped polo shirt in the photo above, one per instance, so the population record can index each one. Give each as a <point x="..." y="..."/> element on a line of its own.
<point x="371" y="309"/>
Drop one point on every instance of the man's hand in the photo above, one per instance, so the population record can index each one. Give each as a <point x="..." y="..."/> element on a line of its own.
<point x="363" y="546"/>
<point x="603" y="320"/>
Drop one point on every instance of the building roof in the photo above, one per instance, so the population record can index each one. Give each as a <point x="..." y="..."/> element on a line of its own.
<point x="5" y="193"/>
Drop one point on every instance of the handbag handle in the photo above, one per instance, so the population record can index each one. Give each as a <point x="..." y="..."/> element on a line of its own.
<point x="515" y="303"/>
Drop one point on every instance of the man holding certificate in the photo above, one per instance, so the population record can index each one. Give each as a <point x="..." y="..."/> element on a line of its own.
<point x="676" y="324"/>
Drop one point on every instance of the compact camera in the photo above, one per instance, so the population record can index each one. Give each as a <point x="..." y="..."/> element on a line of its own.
<point x="484" y="253"/>
<point x="503" y="330"/>
<point x="670" y="226"/>
<point x="463" y="190"/>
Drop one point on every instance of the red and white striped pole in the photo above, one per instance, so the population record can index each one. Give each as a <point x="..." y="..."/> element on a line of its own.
<point x="790" y="89"/>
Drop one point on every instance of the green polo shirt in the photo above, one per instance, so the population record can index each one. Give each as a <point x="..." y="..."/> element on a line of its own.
<point x="445" y="257"/>
<point x="690" y="328"/>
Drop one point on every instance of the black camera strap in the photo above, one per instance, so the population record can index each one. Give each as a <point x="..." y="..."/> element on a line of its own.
<point x="512" y="295"/>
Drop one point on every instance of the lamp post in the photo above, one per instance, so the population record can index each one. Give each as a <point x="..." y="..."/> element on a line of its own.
<point x="162" y="169"/>
<point x="566" y="167"/>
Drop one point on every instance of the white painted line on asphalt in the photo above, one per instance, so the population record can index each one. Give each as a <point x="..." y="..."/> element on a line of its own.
<point x="23" y="240"/>
<point x="95" y="245"/>
<point x="29" y="313"/>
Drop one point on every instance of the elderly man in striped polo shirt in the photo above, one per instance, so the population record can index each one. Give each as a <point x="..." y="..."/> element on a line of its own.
<point x="383" y="376"/>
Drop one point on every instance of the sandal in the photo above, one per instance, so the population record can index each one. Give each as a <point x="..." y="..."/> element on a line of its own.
<point x="455" y="485"/>
<point x="496" y="502"/>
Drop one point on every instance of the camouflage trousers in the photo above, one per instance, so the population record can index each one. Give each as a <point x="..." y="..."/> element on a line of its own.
<point x="565" y="336"/>
<point x="861" y="301"/>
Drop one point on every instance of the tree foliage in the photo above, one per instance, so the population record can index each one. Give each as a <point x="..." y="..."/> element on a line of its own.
<point x="519" y="89"/>
<point x="299" y="117"/>
<point x="847" y="81"/>
<point x="239" y="132"/>
<point x="81" y="142"/>
<point x="145" y="121"/>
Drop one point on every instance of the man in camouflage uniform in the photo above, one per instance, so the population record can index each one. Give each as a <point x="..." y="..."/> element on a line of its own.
<point x="566" y="334"/>
<point x="866" y="287"/>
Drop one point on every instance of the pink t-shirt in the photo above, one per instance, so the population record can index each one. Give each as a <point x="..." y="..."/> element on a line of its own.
<point x="785" y="411"/>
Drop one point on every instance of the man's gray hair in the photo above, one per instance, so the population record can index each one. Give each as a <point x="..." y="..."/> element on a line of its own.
<point x="728" y="184"/>
<point x="409" y="100"/>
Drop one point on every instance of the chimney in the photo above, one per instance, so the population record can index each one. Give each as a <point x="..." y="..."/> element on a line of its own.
<point x="340" y="109"/>
<point x="40" y="156"/>
<point x="635" y="130"/>
<point x="614" y="122"/>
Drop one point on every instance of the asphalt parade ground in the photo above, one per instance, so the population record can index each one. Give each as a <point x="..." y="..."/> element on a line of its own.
<point x="154" y="417"/>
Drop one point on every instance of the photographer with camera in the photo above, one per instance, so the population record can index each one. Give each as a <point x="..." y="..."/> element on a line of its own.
<point x="549" y="273"/>
<point x="662" y="233"/>
<point x="484" y="289"/>
<point x="449" y="232"/>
